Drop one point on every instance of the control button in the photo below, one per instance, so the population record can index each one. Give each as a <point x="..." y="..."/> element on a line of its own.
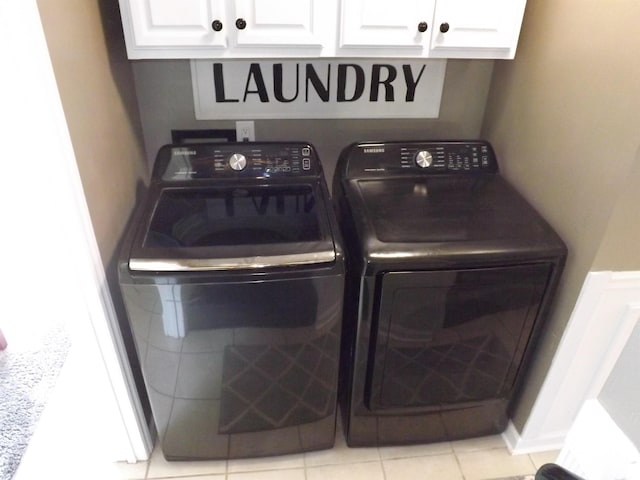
<point x="237" y="162"/>
<point x="306" y="151"/>
<point x="424" y="159"/>
<point x="306" y="164"/>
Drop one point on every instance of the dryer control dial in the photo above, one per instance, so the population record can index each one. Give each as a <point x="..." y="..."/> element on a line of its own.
<point x="424" y="159"/>
<point x="237" y="162"/>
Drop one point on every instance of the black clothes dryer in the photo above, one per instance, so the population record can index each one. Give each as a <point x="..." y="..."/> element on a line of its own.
<point x="232" y="273"/>
<point x="450" y="276"/>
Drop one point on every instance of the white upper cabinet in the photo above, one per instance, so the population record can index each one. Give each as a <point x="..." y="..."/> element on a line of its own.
<point x="476" y="29"/>
<point x="165" y="28"/>
<point x="284" y="23"/>
<point x="321" y="28"/>
<point x="228" y="28"/>
<point x="383" y="27"/>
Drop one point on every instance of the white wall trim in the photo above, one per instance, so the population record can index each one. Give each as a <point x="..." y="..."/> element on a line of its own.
<point x="135" y="443"/>
<point x="45" y="149"/>
<point x="602" y="320"/>
<point x="517" y="445"/>
<point x="104" y="324"/>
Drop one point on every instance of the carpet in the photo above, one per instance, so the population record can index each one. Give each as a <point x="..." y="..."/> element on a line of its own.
<point x="27" y="377"/>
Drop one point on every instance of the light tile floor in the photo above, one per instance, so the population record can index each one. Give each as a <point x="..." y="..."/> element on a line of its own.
<point x="473" y="459"/>
<point x="63" y="449"/>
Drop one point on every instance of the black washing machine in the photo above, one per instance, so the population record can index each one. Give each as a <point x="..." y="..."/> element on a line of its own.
<point x="232" y="273"/>
<point x="450" y="276"/>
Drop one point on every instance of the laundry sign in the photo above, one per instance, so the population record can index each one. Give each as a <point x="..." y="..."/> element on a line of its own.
<point x="335" y="88"/>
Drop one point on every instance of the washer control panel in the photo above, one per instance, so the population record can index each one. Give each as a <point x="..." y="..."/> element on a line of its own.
<point x="441" y="157"/>
<point x="234" y="160"/>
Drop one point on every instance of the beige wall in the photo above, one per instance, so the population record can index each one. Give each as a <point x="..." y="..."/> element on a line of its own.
<point x="564" y="118"/>
<point x="96" y="87"/>
<point x="166" y="102"/>
<point x="620" y="248"/>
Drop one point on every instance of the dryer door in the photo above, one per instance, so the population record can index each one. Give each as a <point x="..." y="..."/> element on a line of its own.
<point x="448" y="337"/>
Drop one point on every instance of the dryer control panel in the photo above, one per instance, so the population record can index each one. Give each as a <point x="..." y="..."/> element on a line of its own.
<point x="236" y="160"/>
<point x="441" y="157"/>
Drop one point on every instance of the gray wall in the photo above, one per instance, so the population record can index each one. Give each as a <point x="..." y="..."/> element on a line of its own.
<point x="564" y="118"/>
<point x="166" y="102"/>
<point x="620" y="396"/>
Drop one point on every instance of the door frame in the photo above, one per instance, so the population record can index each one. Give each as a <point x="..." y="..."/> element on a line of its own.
<point x="37" y="125"/>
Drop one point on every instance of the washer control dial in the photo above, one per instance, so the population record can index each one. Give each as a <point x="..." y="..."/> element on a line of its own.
<point x="424" y="159"/>
<point x="237" y="162"/>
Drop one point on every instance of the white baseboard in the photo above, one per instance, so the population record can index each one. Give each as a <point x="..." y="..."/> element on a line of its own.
<point x="517" y="445"/>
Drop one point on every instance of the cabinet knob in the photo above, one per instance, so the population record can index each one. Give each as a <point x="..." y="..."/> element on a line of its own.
<point x="444" y="27"/>
<point x="241" y="24"/>
<point x="422" y="27"/>
<point x="216" y="25"/>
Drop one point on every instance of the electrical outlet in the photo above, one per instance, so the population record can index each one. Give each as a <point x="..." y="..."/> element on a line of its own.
<point x="245" y="131"/>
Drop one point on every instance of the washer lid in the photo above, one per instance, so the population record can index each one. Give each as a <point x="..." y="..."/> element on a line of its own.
<point x="234" y="226"/>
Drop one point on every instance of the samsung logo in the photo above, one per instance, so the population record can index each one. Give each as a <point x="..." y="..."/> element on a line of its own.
<point x="374" y="150"/>
<point x="183" y="151"/>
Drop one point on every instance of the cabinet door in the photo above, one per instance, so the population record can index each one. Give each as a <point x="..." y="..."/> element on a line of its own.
<point x="380" y="25"/>
<point x="167" y="23"/>
<point x="280" y="23"/>
<point x="469" y="28"/>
